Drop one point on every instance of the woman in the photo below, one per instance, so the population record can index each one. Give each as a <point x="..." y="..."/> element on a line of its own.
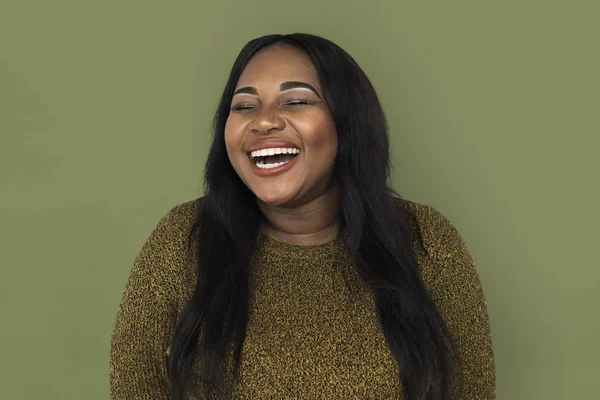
<point x="301" y="273"/>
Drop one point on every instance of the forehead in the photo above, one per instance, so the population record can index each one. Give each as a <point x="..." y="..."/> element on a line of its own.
<point x="276" y="64"/>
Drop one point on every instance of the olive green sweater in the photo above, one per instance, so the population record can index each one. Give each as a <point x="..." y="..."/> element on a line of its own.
<point x="313" y="330"/>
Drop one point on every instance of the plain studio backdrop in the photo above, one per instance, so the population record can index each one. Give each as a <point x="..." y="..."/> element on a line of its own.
<point x="105" y="112"/>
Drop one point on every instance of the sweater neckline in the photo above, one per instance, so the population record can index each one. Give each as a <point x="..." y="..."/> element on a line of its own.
<point x="301" y="247"/>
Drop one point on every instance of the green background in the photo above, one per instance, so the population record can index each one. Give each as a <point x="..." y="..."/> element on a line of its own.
<point x="105" y="111"/>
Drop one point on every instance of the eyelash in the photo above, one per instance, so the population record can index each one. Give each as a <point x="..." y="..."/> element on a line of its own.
<point x="291" y="103"/>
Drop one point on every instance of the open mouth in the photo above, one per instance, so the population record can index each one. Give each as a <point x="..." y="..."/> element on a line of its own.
<point x="272" y="158"/>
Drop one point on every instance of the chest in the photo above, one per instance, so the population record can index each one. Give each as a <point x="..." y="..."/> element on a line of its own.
<point x="313" y="332"/>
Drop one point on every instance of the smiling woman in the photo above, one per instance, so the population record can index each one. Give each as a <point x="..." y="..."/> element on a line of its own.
<point x="277" y="106"/>
<point x="301" y="273"/>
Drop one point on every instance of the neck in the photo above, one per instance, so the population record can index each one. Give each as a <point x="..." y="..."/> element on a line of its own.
<point x="312" y="223"/>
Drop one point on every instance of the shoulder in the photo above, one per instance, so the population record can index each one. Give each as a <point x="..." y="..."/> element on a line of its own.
<point x="433" y="224"/>
<point x="439" y="236"/>
<point x="180" y="215"/>
<point x="164" y="261"/>
<point x="175" y="225"/>
<point x="448" y="266"/>
<point x="168" y="241"/>
<point x="450" y="276"/>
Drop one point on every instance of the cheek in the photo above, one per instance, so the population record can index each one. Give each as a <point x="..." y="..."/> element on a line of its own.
<point x="232" y="142"/>
<point x="321" y="138"/>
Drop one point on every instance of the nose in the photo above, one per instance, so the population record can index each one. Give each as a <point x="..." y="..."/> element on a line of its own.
<point x="267" y="120"/>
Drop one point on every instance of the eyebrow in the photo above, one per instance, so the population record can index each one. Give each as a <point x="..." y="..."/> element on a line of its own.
<point x="284" y="86"/>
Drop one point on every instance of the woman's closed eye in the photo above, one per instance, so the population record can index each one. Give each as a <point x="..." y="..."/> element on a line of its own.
<point x="297" y="103"/>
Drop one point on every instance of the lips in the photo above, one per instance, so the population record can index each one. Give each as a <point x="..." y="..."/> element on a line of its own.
<point x="267" y="172"/>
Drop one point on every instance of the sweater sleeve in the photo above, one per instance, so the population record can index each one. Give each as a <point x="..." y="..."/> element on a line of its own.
<point x="144" y="322"/>
<point x="457" y="291"/>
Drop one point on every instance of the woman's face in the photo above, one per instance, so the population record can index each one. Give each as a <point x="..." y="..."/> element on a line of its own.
<point x="274" y="109"/>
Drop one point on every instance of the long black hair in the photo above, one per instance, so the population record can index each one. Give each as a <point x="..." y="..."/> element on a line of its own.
<point x="380" y="233"/>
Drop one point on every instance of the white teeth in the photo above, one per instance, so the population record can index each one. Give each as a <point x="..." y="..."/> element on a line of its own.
<point x="267" y="166"/>
<point x="273" y="151"/>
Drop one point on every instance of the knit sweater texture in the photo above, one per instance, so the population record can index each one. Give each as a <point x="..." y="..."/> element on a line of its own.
<point x="313" y="329"/>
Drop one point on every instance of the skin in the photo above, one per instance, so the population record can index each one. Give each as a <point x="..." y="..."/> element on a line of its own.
<point x="301" y="205"/>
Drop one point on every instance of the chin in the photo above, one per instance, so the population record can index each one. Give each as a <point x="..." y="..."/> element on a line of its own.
<point x="274" y="198"/>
